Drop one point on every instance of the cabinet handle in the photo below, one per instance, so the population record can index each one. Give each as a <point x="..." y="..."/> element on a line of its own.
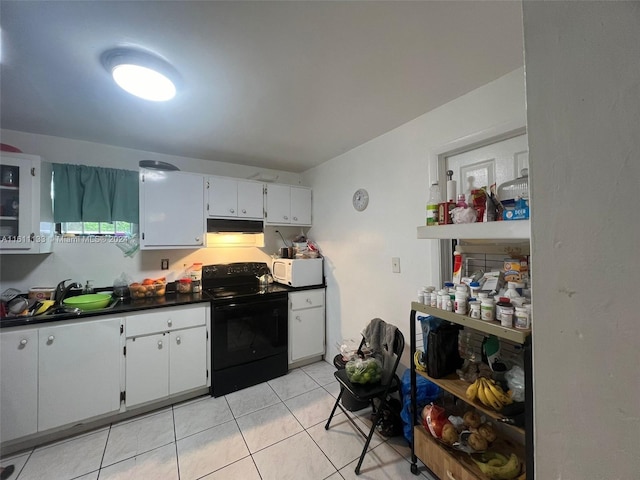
<point x="298" y="317"/>
<point x="450" y="475"/>
<point x="309" y="301"/>
<point x="244" y="210"/>
<point x="232" y="210"/>
<point x="295" y="218"/>
<point x="23" y="341"/>
<point x="169" y="322"/>
<point x="159" y="343"/>
<point x="177" y="339"/>
<point x="197" y="239"/>
<point x="286" y="218"/>
<point x="51" y="338"/>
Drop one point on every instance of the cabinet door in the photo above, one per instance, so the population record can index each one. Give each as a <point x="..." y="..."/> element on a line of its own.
<point x="250" y="200"/>
<point x="171" y="210"/>
<point x="18" y="384"/>
<point x="147" y="368"/>
<point x="301" y="206"/>
<point x="223" y="197"/>
<point x="188" y="359"/>
<point x="306" y="333"/>
<point x="79" y="371"/>
<point x="278" y="204"/>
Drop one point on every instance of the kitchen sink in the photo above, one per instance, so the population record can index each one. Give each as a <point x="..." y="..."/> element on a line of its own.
<point x="59" y="311"/>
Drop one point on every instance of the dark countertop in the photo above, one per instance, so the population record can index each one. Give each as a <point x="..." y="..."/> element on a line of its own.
<point x="122" y="307"/>
<point x="126" y="306"/>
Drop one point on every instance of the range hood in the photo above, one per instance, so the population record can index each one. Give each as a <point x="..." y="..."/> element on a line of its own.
<point x="227" y="225"/>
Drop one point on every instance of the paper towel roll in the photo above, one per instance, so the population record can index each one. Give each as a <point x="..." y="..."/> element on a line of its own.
<point x="451" y="190"/>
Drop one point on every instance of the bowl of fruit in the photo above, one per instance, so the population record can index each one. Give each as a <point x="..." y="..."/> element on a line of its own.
<point x="149" y="287"/>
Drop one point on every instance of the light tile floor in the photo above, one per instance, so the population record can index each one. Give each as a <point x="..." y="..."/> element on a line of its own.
<point x="272" y="431"/>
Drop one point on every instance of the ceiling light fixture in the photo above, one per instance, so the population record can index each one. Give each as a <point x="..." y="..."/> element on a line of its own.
<point x="141" y="74"/>
<point x="157" y="165"/>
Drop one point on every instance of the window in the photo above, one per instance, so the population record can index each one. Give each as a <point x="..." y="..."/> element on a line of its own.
<point x="96" y="228"/>
<point x="93" y="201"/>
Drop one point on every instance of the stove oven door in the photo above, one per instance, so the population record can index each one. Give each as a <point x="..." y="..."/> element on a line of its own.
<point x="245" y="331"/>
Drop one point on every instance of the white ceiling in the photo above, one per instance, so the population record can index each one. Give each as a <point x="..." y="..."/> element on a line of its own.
<point x="284" y="85"/>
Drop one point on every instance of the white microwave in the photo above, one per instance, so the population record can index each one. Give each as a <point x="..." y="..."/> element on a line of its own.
<point x="298" y="272"/>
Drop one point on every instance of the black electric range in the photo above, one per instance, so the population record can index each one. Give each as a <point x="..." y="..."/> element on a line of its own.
<point x="249" y="325"/>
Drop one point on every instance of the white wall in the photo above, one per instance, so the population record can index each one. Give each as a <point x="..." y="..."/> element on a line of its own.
<point x="394" y="168"/>
<point x="102" y="263"/>
<point x="583" y="98"/>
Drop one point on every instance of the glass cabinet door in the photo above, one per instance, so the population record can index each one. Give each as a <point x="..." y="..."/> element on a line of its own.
<point x="15" y="197"/>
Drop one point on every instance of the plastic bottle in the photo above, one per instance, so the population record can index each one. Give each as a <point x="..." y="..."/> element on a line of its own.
<point x="522" y="318"/>
<point x="488" y="309"/>
<point x="474" y="311"/>
<point x="474" y="288"/>
<point x="511" y="293"/>
<point x="195" y="273"/>
<point x="432" y="204"/>
<point x="460" y="304"/>
<point x="462" y="201"/>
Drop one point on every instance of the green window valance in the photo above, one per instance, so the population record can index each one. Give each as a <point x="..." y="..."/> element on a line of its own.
<point x="94" y="194"/>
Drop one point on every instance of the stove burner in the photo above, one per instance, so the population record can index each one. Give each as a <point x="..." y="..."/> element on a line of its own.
<point x="237" y="281"/>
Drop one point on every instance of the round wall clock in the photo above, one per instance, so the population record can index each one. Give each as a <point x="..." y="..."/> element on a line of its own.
<point x="360" y="199"/>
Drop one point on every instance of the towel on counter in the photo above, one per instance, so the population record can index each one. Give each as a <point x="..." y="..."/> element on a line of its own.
<point x="379" y="334"/>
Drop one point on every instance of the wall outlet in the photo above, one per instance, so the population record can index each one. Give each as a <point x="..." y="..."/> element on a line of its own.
<point x="164" y="264"/>
<point x="395" y="264"/>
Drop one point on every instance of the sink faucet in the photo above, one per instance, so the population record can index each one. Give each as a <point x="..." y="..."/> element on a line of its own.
<point x="62" y="291"/>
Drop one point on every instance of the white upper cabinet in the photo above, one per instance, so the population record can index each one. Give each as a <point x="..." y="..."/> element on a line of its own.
<point x="288" y="205"/>
<point x="300" y="206"/>
<point x="171" y="210"/>
<point x="26" y="215"/>
<point x="233" y="198"/>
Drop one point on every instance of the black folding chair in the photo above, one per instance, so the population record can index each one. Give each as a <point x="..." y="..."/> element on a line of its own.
<point x="389" y="383"/>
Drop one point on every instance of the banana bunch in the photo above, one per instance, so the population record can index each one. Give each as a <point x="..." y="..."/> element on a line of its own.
<point x="489" y="393"/>
<point x="497" y="466"/>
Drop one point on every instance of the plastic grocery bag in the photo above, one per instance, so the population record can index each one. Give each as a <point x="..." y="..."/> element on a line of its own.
<point x="348" y="349"/>
<point x="363" y="371"/>
<point x="426" y="392"/>
<point x="515" y="380"/>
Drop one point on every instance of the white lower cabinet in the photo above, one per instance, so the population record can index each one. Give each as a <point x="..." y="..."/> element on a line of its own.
<point x="188" y="360"/>
<point x="18" y="383"/>
<point x="78" y="374"/>
<point x="147" y="364"/>
<point x="166" y="353"/>
<point x="306" y="324"/>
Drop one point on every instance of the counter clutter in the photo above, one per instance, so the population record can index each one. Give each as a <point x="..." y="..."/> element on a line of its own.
<point x="66" y="373"/>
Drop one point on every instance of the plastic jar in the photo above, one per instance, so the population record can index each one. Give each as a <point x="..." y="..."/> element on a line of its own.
<point x="460" y="303"/>
<point x="421" y="296"/>
<point x="522" y="318"/>
<point x="433" y="299"/>
<point x="474" y="289"/>
<point x="474" y="309"/>
<point x="183" y="285"/>
<point x="443" y="296"/>
<point x="504" y="313"/>
<point x="488" y="309"/>
<point x="449" y="305"/>
<point x="462" y="288"/>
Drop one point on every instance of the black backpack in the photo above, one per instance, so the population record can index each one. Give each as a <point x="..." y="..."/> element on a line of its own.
<point x="442" y="351"/>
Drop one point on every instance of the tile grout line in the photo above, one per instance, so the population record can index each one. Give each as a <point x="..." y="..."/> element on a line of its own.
<point x="104" y="451"/>
<point x="175" y="440"/>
